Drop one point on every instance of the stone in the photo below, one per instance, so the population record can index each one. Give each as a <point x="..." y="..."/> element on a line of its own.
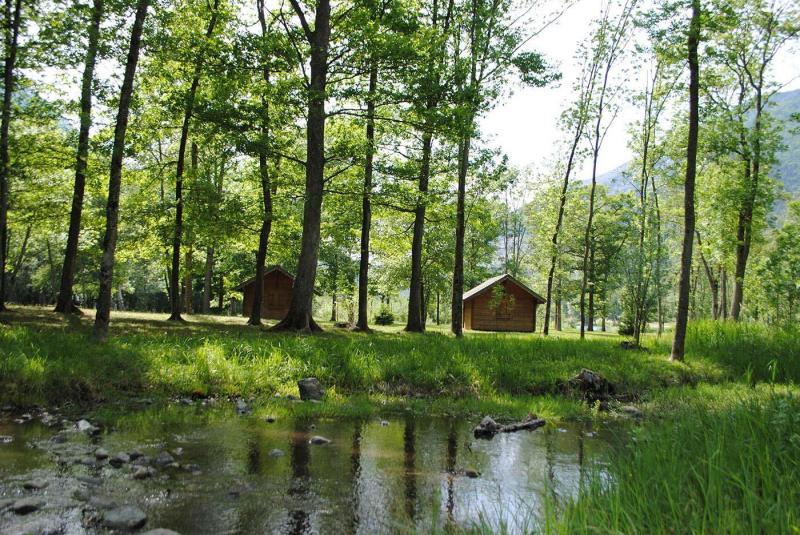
<point x="135" y="454"/>
<point x="191" y="467"/>
<point x="310" y="388"/>
<point x="35" y="484"/>
<point x="119" y="459"/>
<point x="91" y="462"/>
<point x="276" y="453"/>
<point x="160" y="531"/>
<point x="270" y="419"/>
<point x="102" y="502"/>
<point x="101" y="454"/>
<point x="6" y="503"/>
<point x="384" y="423"/>
<point x="59" y="438"/>
<point x="6" y="439"/>
<point x="144" y="472"/>
<point x="631" y="411"/>
<point x="592" y="385"/>
<point x="242" y="407"/>
<point x="127" y="517"/>
<point x="144" y="460"/>
<point x="84" y="426"/>
<point x="163" y="459"/>
<point x="471" y="473"/>
<point x="92" y="481"/>
<point x="27" y="505"/>
<point x="319" y="441"/>
<point x="177" y="452"/>
<point x="487" y="428"/>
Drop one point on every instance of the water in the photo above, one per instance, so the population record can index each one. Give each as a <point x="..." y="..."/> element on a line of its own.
<point x="375" y="476"/>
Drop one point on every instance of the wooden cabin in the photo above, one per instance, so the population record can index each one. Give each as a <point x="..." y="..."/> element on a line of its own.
<point x="276" y="295"/>
<point x="501" y="303"/>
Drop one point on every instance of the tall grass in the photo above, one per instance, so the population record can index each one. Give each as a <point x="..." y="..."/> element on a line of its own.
<point x="730" y="471"/>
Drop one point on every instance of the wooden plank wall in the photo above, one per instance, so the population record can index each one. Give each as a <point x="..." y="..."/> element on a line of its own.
<point x="483" y="318"/>
<point x="277" y="295"/>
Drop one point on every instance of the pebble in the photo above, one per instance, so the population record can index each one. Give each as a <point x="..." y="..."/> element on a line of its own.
<point x="471" y="472"/>
<point x="35" y="484"/>
<point x="319" y="441"/>
<point x="163" y="459"/>
<point x="27" y="505"/>
<point x="127" y="517"/>
<point x="270" y="419"/>
<point x="100" y="454"/>
<point x="144" y="472"/>
<point x="276" y="453"/>
<point x="119" y="459"/>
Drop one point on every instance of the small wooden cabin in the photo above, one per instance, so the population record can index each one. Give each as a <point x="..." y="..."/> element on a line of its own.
<point x="501" y="303"/>
<point x="276" y="295"/>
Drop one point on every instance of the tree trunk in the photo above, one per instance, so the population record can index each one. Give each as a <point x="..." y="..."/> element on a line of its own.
<point x="724" y="291"/>
<point x="682" y="318"/>
<point x="362" y="324"/>
<point x="592" y="286"/>
<point x="221" y="293"/>
<point x="266" y="187"/>
<point x="558" y="306"/>
<point x="102" y="317"/>
<point x="416" y="320"/>
<point x="299" y="316"/>
<point x="457" y="305"/>
<point x="207" y="280"/>
<point x="713" y="282"/>
<point x="187" y="281"/>
<point x="12" y="20"/>
<point x="188" y="111"/>
<point x="65" y="301"/>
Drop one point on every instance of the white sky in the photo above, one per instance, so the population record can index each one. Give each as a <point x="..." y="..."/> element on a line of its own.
<point x="525" y="126"/>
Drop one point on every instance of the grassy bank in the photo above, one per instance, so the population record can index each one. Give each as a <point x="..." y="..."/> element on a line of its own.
<point x="725" y="461"/>
<point x="45" y="358"/>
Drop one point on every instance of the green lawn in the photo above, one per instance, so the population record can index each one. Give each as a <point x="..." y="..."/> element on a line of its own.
<point x="46" y="358"/>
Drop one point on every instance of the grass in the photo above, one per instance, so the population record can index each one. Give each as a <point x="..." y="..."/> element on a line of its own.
<point x="45" y="358"/>
<point x="732" y="469"/>
<point x="717" y="452"/>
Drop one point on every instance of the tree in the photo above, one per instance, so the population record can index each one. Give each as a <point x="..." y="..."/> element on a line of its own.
<point x="12" y="15"/>
<point x="103" y="315"/>
<point x="682" y="318"/>
<point x="299" y="317"/>
<point x="65" y="302"/>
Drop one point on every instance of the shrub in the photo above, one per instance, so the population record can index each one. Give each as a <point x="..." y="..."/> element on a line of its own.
<point x="384" y="317"/>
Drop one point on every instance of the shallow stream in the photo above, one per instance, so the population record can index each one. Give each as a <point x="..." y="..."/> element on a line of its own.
<point x="241" y="474"/>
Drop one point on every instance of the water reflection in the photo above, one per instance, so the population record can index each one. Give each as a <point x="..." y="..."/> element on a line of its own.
<point x="300" y="454"/>
<point x="371" y="478"/>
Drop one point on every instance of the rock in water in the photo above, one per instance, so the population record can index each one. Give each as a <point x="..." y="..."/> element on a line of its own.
<point x="310" y="389"/>
<point x="35" y="484"/>
<point x="163" y="459"/>
<point x="27" y="505"/>
<point x="119" y="459"/>
<point x="126" y="517"/>
<point x="144" y="472"/>
<point x="487" y="428"/>
<point x="319" y="441"/>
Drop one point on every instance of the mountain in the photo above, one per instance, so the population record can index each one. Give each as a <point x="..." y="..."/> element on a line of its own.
<point x="787" y="169"/>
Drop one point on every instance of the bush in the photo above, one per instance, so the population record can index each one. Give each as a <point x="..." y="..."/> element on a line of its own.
<point x="384" y="317"/>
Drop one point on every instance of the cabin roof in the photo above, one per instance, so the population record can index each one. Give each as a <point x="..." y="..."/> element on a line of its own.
<point x="267" y="271"/>
<point x="488" y="283"/>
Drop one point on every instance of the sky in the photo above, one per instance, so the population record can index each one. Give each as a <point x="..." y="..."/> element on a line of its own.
<point x="525" y="126"/>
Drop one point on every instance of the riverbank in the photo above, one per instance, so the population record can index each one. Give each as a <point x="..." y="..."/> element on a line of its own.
<point x="46" y="358"/>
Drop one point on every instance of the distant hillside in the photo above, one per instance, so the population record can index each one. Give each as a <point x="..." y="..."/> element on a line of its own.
<point x="787" y="170"/>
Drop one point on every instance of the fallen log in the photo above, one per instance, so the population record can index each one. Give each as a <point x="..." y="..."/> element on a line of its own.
<point x="488" y="428"/>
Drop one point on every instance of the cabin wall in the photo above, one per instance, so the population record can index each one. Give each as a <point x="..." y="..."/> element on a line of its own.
<point x="468" y="314"/>
<point x="276" y="296"/>
<point x="522" y="317"/>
